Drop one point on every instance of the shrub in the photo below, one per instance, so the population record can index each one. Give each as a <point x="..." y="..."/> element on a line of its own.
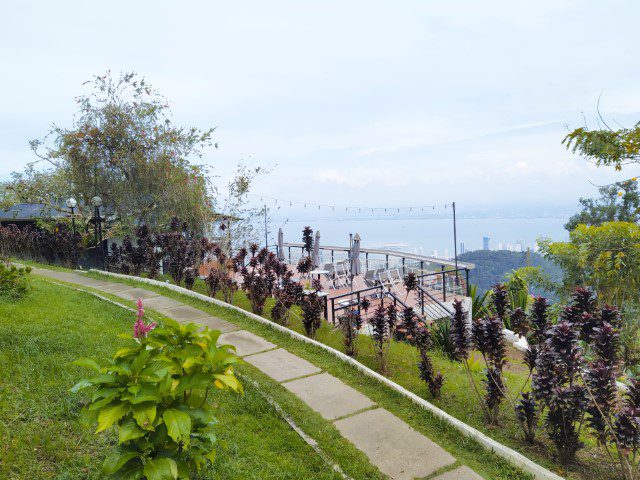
<point x="14" y="281"/>
<point x="350" y="324"/>
<point x="312" y="306"/>
<point x="155" y="393"/>
<point x="460" y="334"/>
<point x="426" y="369"/>
<point x="380" y="336"/>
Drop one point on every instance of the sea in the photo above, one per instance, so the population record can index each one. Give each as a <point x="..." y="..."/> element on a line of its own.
<point x="427" y="236"/>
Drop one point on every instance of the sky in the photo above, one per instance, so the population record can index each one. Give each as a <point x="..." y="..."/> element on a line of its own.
<point x="348" y="103"/>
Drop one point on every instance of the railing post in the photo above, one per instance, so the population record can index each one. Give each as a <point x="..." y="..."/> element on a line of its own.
<point x="332" y="260"/>
<point x="422" y="301"/>
<point x="387" y="261"/>
<point x="403" y="270"/>
<point x="326" y="308"/>
<point x="333" y="311"/>
<point x="366" y="260"/>
<point x="466" y="271"/>
<point x="444" y="285"/>
<point x="289" y="254"/>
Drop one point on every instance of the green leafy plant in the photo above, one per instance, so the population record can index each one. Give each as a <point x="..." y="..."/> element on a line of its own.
<point x="14" y="281"/>
<point x="155" y="394"/>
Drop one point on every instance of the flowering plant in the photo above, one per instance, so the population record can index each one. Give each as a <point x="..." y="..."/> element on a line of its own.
<point x="155" y="394"/>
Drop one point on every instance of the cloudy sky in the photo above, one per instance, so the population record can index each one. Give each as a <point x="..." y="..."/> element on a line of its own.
<point x="367" y="103"/>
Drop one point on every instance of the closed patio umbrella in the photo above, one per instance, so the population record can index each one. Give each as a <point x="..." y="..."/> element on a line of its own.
<point x="316" y="250"/>
<point x="355" y="258"/>
<point x="280" y="245"/>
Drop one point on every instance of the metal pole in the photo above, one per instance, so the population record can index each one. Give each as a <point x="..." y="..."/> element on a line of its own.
<point x="455" y="241"/>
<point x="444" y="285"/>
<point x="266" y="241"/>
<point x="466" y="271"/>
<point x="75" y="242"/>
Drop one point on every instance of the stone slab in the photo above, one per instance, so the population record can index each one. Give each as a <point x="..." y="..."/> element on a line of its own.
<point x="183" y="313"/>
<point x="246" y="343"/>
<point x="392" y="445"/>
<point x="460" y="473"/>
<point x="62" y="276"/>
<point x="135" y="294"/>
<point x="93" y="282"/>
<point x="114" y="287"/>
<point x="282" y="365"/>
<point x="157" y="303"/>
<point x="327" y="395"/>
<point x="215" y="323"/>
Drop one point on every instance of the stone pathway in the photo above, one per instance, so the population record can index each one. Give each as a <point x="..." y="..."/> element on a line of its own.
<point x="391" y="444"/>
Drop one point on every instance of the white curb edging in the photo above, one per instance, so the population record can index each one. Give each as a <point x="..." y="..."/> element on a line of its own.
<point x="503" y="451"/>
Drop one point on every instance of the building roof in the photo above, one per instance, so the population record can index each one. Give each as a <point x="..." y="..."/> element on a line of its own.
<point x="25" y="212"/>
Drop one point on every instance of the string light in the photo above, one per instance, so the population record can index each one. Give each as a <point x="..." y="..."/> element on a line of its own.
<point x="320" y="206"/>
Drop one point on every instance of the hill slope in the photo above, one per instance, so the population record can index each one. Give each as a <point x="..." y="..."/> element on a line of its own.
<point x="492" y="265"/>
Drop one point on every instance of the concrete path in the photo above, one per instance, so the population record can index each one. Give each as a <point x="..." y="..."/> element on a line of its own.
<point x="391" y="444"/>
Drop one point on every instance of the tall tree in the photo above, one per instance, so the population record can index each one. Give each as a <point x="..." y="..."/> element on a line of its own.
<point x="123" y="147"/>
<point x="618" y="202"/>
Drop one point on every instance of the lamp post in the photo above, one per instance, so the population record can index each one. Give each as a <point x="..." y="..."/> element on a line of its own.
<point x="71" y="204"/>
<point x="97" y="227"/>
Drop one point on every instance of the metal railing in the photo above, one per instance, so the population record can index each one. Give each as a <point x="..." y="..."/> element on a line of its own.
<point x="372" y="258"/>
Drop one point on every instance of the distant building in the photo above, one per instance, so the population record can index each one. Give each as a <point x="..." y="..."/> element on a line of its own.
<point x="446" y="254"/>
<point x="519" y="246"/>
<point x="485" y="243"/>
<point x="462" y="250"/>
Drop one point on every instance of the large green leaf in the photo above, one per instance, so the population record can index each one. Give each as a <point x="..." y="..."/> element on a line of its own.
<point x="145" y="414"/>
<point x="88" y="363"/>
<point x="110" y="415"/>
<point x="178" y="425"/>
<point x="82" y="384"/>
<point x="141" y="360"/>
<point x="129" y="430"/>
<point x="116" y="460"/>
<point x="161" y="469"/>
<point x="146" y="393"/>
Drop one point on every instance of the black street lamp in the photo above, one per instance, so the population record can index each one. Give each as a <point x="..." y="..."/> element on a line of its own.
<point x="97" y="227"/>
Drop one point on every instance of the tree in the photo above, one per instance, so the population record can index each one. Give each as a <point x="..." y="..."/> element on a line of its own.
<point x="618" y="202"/>
<point x="123" y="147"/>
<point x="605" y="257"/>
<point x="606" y="147"/>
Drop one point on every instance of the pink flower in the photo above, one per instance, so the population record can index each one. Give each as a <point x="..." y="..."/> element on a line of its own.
<point x="140" y="329"/>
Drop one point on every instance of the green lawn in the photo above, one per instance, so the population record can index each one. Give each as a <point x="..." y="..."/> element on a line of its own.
<point x="457" y="398"/>
<point x="40" y="433"/>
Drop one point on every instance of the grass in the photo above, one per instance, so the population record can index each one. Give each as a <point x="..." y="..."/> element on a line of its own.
<point x="42" y="437"/>
<point x="457" y="398"/>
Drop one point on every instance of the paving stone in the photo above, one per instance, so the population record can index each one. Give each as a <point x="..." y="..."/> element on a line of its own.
<point x="246" y="343"/>
<point x="114" y="287"/>
<point x="460" y="473"/>
<point x="157" y="303"/>
<point x="93" y="282"/>
<point x="183" y="313"/>
<point x="215" y="323"/>
<point x="327" y="395"/>
<point x="57" y="275"/>
<point x="282" y="365"/>
<point x="392" y="445"/>
<point x="135" y="294"/>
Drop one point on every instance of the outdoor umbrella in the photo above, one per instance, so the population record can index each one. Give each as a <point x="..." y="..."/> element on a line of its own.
<point x="316" y="251"/>
<point x="355" y="258"/>
<point x="280" y="245"/>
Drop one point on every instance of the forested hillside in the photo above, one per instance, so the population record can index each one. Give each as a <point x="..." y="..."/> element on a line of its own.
<point x="492" y="265"/>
